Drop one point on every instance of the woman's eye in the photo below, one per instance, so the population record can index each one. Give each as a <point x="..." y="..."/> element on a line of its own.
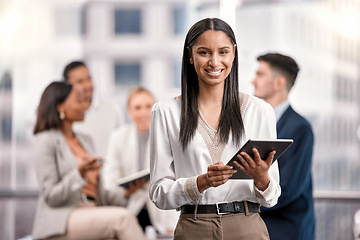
<point x="204" y="53"/>
<point x="223" y="52"/>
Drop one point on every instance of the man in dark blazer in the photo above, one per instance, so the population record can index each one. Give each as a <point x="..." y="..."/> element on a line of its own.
<point x="293" y="217"/>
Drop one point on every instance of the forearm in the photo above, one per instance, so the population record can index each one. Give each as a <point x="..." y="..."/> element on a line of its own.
<point x="203" y="182"/>
<point x="56" y="195"/>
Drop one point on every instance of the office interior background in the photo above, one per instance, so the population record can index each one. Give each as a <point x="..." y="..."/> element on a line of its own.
<point x="139" y="42"/>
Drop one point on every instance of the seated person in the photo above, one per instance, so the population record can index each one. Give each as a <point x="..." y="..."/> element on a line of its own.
<point x="95" y="124"/>
<point x="73" y="204"/>
<point x="357" y="225"/>
<point x="128" y="153"/>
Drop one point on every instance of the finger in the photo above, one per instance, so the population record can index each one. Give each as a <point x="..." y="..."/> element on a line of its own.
<point x="242" y="159"/>
<point x="219" y="163"/>
<point x="257" y="157"/>
<point x="219" y="166"/>
<point x="270" y="158"/>
<point x="219" y="174"/>
<point x="219" y="180"/>
<point x="216" y="180"/>
<point x="94" y="165"/>
<point x="250" y="161"/>
<point x="239" y="165"/>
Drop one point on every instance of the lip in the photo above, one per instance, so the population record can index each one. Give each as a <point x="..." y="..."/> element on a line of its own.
<point x="214" y="73"/>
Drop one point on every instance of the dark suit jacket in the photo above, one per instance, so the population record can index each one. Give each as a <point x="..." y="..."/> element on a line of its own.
<point x="293" y="216"/>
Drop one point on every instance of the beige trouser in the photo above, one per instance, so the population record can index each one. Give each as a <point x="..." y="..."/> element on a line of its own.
<point x="101" y="222"/>
<point x="221" y="227"/>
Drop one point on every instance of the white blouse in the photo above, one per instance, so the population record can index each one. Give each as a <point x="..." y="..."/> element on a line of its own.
<point x="174" y="171"/>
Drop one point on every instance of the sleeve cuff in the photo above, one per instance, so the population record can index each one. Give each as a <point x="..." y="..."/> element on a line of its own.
<point x="264" y="194"/>
<point x="191" y="189"/>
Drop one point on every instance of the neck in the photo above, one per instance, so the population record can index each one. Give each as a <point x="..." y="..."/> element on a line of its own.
<point x="212" y="95"/>
<point x="141" y="131"/>
<point x="67" y="130"/>
<point x="277" y="99"/>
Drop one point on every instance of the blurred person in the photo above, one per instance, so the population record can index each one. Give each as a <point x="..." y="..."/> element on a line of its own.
<point x="357" y="225"/>
<point x="102" y="117"/>
<point x="293" y="217"/>
<point x="194" y="135"/>
<point x="73" y="204"/>
<point x="128" y="153"/>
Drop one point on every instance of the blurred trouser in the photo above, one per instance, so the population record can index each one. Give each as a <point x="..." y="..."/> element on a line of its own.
<point x="101" y="222"/>
<point x="221" y="227"/>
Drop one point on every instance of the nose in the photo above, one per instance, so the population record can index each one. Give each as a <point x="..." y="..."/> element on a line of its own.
<point x="214" y="60"/>
<point x="254" y="80"/>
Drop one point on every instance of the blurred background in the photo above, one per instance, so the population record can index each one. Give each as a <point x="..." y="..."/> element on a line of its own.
<point x="139" y="42"/>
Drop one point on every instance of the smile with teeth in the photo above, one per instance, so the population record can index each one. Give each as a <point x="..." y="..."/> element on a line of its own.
<point x="214" y="72"/>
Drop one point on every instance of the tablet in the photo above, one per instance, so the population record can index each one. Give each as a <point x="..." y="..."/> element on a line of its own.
<point x="132" y="178"/>
<point x="264" y="146"/>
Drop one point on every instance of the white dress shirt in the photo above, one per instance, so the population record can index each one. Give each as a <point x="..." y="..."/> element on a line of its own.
<point x="280" y="109"/>
<point x="122" y="159"/>
<point x="174" y="171"/>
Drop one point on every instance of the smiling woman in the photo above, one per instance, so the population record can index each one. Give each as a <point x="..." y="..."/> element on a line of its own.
<point x="194" y="134"/>
<point x="212" y="56"/>
<point x="73" y="203"/>
<point x="129" y="153"/>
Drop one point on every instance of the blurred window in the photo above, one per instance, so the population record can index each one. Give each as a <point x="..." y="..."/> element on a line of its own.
<point x="6" y="122"/>
<point x="179" y="14"/>
<point x="128" y="21"/>
<point x="127" y="74"/>
<point x="83" y="17"/>
<point x="177" y="74"/>
<point x="6" y="82"/>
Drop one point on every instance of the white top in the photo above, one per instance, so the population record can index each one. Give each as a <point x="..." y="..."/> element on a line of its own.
<point x="174" y="172"/>
<point x="100" y="120"/>
<point x="121" y="161"/>
<point x="122" y="155"/>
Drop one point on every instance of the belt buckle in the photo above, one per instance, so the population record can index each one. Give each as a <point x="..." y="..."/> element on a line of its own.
<point x="217" y="208"/>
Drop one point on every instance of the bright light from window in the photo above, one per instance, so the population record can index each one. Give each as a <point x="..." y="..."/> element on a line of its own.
<point x="7" y="29"/>
<point x="349" y="24"/>
<point x="227" y="11"/>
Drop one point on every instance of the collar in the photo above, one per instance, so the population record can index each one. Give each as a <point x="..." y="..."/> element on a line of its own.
<point x="280" y="109"/>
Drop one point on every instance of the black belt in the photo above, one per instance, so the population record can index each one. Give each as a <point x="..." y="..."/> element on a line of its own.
<point x="221" y="208"/>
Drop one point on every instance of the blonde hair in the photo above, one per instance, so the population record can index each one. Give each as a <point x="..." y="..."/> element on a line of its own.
<point x="137" y="90"/>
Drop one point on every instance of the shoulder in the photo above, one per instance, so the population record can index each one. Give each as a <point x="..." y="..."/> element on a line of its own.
<point x="48" y="135"/>
<point x="123" y="130"/>
<point x="167" y="106"/>
<point x="257" y="105"/>
<point x="295" y="118"/>
<point x="47" y="141"/>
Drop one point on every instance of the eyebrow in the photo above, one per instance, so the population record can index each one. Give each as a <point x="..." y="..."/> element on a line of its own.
<point x="205" y="48"/>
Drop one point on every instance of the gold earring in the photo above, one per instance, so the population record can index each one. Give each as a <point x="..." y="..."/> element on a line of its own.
<point x="191" y="61"/>
<point x="62" y="115"/>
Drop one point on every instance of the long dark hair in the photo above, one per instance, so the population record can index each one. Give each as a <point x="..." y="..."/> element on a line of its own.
<point x="230" y="116"/>
<point x="47" y="114"/>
